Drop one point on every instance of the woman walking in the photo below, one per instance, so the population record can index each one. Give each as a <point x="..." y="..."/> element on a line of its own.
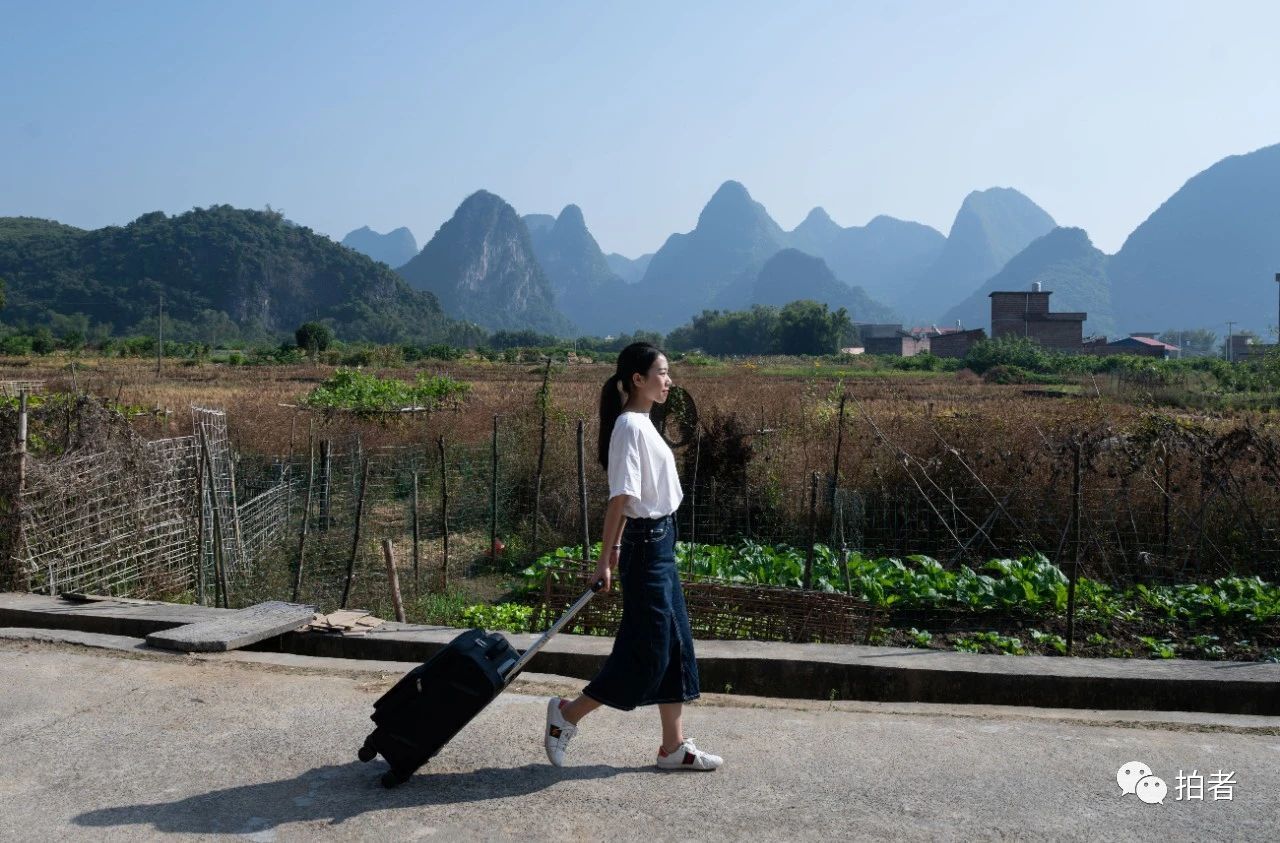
<point x="652" y="662"/>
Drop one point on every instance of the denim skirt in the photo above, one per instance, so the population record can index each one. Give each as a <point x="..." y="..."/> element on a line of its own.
<point x="652" y="659"/>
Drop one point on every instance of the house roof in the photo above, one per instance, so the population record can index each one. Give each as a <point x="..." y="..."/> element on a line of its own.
<point x="930" y="330"/>
<point x="1154" y="343"/>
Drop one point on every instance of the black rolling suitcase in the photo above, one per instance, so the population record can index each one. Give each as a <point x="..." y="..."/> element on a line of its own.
<point x="431" y="704"/>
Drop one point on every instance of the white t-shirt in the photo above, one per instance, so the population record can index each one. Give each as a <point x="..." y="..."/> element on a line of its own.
<point x="643" y="467"/>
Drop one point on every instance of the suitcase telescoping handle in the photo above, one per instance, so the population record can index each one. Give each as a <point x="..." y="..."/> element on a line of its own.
<point x="550" y="633"/>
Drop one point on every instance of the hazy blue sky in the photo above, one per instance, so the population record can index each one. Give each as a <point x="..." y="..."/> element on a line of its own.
<point x="389" y="114"/>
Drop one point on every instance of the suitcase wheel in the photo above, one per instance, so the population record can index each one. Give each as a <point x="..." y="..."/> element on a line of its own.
<point x="367" y="753"/>
<point x="391" y="779"/>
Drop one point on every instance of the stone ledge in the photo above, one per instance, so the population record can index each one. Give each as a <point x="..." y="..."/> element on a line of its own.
<point x="799" y="671"/>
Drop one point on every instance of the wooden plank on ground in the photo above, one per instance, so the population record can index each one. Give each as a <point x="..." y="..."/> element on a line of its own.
<point x="247" y="626"/>
<point x="78" y="597"/>
<point x="343" y="618"/>
<point x="345" y="621"/>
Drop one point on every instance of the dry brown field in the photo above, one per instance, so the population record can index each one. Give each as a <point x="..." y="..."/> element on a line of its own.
<point x="936" y="458"/>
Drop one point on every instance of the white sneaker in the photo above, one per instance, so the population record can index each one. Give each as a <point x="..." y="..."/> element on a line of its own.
<point x="688" y="757"/>
<point x="558" y="732"/>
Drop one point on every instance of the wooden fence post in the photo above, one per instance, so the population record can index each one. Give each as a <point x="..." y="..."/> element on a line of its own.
<point x="355" y="536"/>
<point x="326" y="480"/>
<point x="235" y="513"/>
<point x="393" y="579"/>
<point x="1168" y="475"/>
<point x="813" y="531"/>
<point x="835" y="470"/>
<point x="693" y="503"/>
<point x="543" y="397"/>
<point x="200" y="529"/>
<point x="582" y="491"/>
<point x="306" y="515"/>
<point x="219" y="561"/>
<point x="22" y="441"/>
<point x="444" y="518"/>
<point x="417" y="555"/>
<point x="10" y="576"/>
<point x="293" y="429"/>
<point x="1075" y="560"/>
<point x="493" y="501"/>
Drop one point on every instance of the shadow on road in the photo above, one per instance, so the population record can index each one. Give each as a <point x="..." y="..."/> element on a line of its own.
<point x="337" y="793"/>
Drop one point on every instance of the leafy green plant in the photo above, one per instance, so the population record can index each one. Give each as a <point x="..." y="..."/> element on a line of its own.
<point x="511" y="617"/>
<point x="975" y="641"/>
<point x="1096" y="600"/>
<point x="920" y="637"/>
<point x="1208" y="646"/>
<point x="1248" y="599"/>
<point x="350" y="389"/>
<point x="438" y="608"/>
<point x="1051" y="640"/>
<point x="1158" y="649"/>
<point x="1029" y="584"/>
<point x="560" y="564"/>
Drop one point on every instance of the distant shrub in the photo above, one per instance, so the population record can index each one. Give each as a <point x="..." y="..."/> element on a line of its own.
<point x="1014" y="352"/>
<point x="357" y="357"/>
<point x="16" y="345"/>
<point x="1003" y="374"/>
<point x="349" y="389"/>
<point x="442" y="352"/>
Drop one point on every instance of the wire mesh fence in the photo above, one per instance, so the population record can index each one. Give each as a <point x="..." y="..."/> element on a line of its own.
<point x="1168" y="504"/>
<point x="111" y="514"/>
<point x="112" y="522"/>
<point x="1113" y="513"/>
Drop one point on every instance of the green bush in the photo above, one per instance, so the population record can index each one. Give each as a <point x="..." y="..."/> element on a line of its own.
<point x="16" y="345"/>
<point x="362" y="392"/>
<point x="509" y="617"/>
<point x="313" y="337"/>
<point x="442" y="352"/>
<point x="357" y="357"/>
<point x="1003" y="374"/>
<point x="1016" y="352"/>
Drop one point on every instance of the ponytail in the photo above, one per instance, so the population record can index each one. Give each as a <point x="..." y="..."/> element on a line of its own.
<point x="635" y="359"/>
<point x="612" y="399"/>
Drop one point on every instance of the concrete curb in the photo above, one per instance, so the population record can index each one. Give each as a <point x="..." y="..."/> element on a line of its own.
<point x="798" y="671"/>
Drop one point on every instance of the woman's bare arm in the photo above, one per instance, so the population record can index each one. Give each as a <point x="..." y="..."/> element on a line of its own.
<point x="614" y="521"/>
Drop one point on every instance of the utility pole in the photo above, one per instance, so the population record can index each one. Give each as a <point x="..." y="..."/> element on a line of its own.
<point x="1230" y="355"/>
<point x="1278" y="310"/>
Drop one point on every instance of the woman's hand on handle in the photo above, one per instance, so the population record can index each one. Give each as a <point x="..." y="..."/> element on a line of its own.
<point x="604" y="568"/>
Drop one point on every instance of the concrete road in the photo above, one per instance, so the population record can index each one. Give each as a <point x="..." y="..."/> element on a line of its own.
<point x="100" y="745"/>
